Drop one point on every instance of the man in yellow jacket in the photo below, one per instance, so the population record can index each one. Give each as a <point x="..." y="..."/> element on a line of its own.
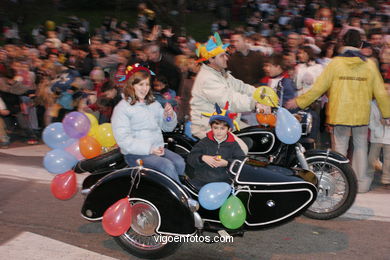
<point x="351" y="82"/>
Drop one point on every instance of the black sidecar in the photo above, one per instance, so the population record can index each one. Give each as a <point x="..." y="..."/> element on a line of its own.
<point x="161" y="207"/>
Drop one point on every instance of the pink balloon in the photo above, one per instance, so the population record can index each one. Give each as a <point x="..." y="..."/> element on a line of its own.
<point x="74" y="149"/>
<point x="64" y="186"/>
<point x="117" y="218"/>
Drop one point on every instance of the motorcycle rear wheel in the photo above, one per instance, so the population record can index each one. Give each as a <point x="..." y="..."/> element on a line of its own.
<point x="337" y="188"/>
<point x="141" y="239"/>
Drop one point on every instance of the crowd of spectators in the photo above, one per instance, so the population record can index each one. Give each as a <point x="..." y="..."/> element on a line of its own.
<point x="74" y="67"/>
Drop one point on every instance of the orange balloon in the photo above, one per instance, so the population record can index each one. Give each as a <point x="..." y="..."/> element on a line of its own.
<point x="266" y="119"/>
<point x="89" y="147"/>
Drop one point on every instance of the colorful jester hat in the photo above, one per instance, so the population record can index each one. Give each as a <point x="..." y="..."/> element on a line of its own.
<point x="124" y="73"/>
<point x="223" y="115"/>
<point x="212" y="48"/>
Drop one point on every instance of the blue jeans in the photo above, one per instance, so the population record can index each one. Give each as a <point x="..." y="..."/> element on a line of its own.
<point x="171" y="164"/>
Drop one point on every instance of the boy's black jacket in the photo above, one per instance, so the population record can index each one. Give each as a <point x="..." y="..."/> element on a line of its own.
<point x="229" y="150"/>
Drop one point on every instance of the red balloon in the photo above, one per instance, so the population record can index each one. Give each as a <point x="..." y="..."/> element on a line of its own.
<point x="64" y="186"/>
<point x="117" y="218"/>
<point x="322" y="25"/>
<point x="314" y="26"/>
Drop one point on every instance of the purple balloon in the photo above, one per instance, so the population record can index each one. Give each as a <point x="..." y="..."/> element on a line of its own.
<point x="76" y="124"/>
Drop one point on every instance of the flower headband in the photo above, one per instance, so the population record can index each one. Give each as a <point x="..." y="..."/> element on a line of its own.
<point x="124" y="74"/>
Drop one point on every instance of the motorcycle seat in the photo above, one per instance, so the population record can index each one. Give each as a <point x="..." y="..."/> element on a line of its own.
<point x="248" y="141"/>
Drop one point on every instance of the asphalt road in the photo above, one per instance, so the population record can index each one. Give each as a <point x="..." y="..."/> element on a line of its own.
<point x="30" y="214"/>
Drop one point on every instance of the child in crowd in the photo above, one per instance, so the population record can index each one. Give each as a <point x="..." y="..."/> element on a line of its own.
<point x="162" y="92"/>
<point x="137" y="122"/>
<point x="380" y="140"/>
<point x="108" y="98"/>
<point x="211" y="156"/>
<point x="278" y="79"/>
<point x="4" y="139"/>
<point x="306" y="73"/>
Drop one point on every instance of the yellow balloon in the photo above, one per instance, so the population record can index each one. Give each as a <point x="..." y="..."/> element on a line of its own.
<point x="94" y="125"/>
<point x="50" y="25"/>
<point x="266" y="96"/>
<point x="105" y="135"/>
<point x="93" y="131"/>
<point x="92" y="119"/>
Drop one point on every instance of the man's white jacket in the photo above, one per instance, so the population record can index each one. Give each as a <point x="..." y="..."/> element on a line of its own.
<point x="212" y="86"/>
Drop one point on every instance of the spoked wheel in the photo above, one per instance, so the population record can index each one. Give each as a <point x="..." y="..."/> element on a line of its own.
<point x="141" y="239"/>
<point x="337" y="188"/>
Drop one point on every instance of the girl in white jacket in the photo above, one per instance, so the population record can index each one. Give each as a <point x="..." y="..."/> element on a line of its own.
<point x="380" y="139"/>
<point x="137" y="122"/>
<point x="4" y="139"/>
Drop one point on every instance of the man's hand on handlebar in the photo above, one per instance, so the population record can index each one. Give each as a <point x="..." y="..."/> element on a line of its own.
<point x="264" y="109"/>
<point x="291" y="104"/>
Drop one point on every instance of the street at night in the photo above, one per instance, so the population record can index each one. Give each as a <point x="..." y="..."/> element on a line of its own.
<point x="35" y="225"/>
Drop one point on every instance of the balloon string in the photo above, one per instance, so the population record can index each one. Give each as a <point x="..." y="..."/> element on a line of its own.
<point x="135" y="178"/>
<point x="250" y="195"/>
<point x="233" y="190"/>
<point x="280" y="85"/>
<point x="271" y="100"/>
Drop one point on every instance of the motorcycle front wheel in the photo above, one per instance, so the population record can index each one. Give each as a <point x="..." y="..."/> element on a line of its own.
<point x="337" y="188"/>
<point x="141" y="239"/>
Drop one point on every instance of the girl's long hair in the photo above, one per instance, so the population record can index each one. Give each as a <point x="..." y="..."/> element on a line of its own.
<point x="129" y="92"/>
<point x="310" y="53"/>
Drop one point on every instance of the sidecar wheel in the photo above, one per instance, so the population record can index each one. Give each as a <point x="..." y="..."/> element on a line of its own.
<point x="337" y="189"/>
<point x="141" y="239"/>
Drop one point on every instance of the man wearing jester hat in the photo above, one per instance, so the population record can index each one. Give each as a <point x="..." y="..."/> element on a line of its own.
<point x="214" y="85"/>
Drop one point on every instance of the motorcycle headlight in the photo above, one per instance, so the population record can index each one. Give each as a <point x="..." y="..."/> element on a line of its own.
<point x="309" y="123"/>
<point x="306" y="120"/>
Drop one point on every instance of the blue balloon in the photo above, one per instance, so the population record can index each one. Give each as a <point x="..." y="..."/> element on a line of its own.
<point x="55" y="137"/>
<point x="288" y="129"/>
<point x="58" y="161"/>
<point x="187" y="131"/>
<point x="213" y="195"/>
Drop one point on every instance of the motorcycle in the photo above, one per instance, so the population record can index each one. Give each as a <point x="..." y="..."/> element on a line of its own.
<point x="337" y="186"/>
<point x="162" y="208"/>
<point x="276" y="182"/>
